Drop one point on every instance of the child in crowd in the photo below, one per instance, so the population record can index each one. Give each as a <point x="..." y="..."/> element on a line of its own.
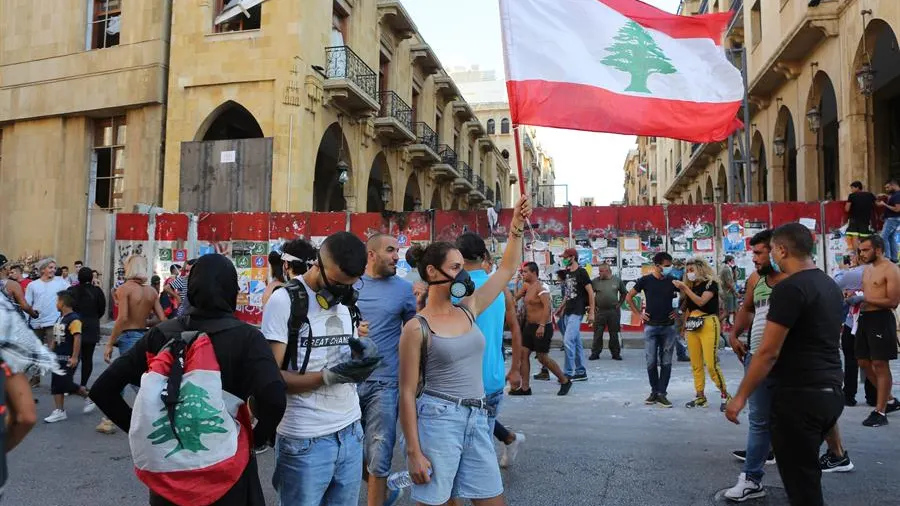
<point x="67" y="346"/>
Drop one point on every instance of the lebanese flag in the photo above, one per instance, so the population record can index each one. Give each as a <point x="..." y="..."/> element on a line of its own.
<point x="619" y="66"/>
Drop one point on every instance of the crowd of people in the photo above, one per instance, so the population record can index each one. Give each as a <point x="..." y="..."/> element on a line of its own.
<point x="352" y="360"/>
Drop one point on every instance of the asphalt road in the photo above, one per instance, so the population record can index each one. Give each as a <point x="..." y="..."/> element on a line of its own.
<point x="598" y="446"/>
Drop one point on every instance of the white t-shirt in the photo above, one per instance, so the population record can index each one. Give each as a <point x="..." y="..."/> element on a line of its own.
<point x="329" y="408"/>
<point x="41" y="295"/>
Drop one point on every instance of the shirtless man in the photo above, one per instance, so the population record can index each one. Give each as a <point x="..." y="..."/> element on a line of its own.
<point x="876" y="334"/>
<point x="538" y="329"/>
<point x="136" y="300"/>
<point x="12" y="289"/>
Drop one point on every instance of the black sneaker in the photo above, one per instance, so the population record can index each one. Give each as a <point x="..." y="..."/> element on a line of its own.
<point x="684" y="359"/>
<point x="831" y="463"/>
<point x="617" y="357"/>
<point x="742" y="456"/>
<point x="849" y="402"/>
<point x="594" y="356"/>
<point x="519" y="391"/>
<point x="875" y="419"/>
<point x="892" y="406"/>
<point x="564" y="388"/>
<point x="663" y="401"/>
<point x="650" y="400"/>
<point x="542" y="376"/>
<point x="582" y="376"/>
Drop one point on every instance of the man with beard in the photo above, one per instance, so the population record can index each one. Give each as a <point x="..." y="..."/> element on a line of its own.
<point x="876" y="335"/>
<point x="386" y="302"/>
<point x="246" y="364"/>
<point x="891" y="206"/>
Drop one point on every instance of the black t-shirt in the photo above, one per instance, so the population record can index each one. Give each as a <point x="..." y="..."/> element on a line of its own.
<point x="576" y="294"/>
<point x="809" y="304"/>
<point x="711" y="307"/>
<point x="893" y="200"/>
<point x="862" y="206"/>
<point x="68" y="327"/>
<point x="658" y="294"/>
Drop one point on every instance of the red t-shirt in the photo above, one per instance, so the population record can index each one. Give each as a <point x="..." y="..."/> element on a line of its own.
<point x="25" y="283"/>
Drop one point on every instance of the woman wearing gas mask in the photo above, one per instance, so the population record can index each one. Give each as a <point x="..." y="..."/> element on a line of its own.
<point x="441" y="386"/>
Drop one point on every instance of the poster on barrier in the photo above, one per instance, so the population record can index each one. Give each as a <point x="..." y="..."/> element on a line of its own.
<point x="837" y="244"/>
<point x="171" y="236"/>
<point x="321" y="225"/>
<point x="596" y="229"/>
<point x="740" y="222"/>
<point x="249" y="252"/>
<point x="691" y="232"/>
<point x="284" y="227"/>
<point x="642" y="234"/>
<point x="548" y="238"/>
<point x="214" y="234"/>
<point x="133" y="237"/>
<point x="808" y="214"/>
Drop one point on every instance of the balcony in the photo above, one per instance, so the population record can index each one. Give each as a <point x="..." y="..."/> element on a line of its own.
<point x="513" y="176"/>
<point x="489" y="199"/>
<point x="424" y="151"/>
<point x="462" y="110"/>
<point x="423" y="56"/>
<point x="485" y="144"/>
<point x="395" y="17"/>
<point x="475" y="128"/>
<point x="477" y="196"/>
<point x="394" y="122"/>
<point x="444" y="85"/>
<point x="701" y="156"/>
<point x="445" y="169"/>
<point x="464" y="181"/>
<point x="349" y="83"/>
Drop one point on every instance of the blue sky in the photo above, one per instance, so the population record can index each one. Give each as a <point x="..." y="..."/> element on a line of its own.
<point x="467" y="32"/>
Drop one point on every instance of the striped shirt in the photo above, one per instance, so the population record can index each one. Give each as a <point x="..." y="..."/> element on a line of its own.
<point x="761" y="293"/>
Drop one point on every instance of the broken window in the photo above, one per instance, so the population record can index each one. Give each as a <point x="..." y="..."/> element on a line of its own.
<point x="108" y="173"/>
<point x="238" y="15"/>
<point x="105" y="21"/>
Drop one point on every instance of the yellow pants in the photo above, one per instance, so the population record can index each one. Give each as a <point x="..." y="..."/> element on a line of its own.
<point x="702" y="346"/>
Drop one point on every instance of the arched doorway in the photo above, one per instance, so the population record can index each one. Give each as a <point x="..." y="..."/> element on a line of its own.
<point x="230" y="120"/>
<point x="709" y="191"/>
<point x="379" y="187"/>
<point x="759" y="168"/>
<point x="698" y="198"/>
<point x="739" y="180"/>
<point x="498" y="196"/>
<point x="822" y="122"/>
<point x="721" y="191"/>
<point x="785" y="146"/>
<point x="333" y="173"/>
<point x="412" y="197"/>
<point x="690" y="199"/>
<point x="436" y="199"/>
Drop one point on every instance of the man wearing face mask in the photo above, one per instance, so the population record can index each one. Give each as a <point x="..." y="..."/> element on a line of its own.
<point x="800" y="351"/>
<point x="659" y="325"/>
<point x="579" y="298"/>
<point x="318" y="448"/>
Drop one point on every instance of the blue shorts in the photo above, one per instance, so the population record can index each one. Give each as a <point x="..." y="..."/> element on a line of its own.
<point x="378" y="402"/>
<point x="457" y="441"/>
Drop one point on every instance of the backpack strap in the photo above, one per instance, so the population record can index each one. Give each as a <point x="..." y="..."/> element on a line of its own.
<point x="299" y="316"/>
<point x="423" y="352"/>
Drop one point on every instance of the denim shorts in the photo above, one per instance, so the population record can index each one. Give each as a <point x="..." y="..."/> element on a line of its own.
<point x="457" y="441"/>
<point x="128" y="339"/>
<point x="378" y="403"/>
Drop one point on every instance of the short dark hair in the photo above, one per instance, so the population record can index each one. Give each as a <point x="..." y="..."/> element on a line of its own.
<point x="66" y="267"/>
<point x="191" y="262"/>
<point x="433" y="255"/>
<point x="796" y="238"/>
<point x="892" y="181"/>
<point x="173" y="268"/>
<point x="856" y="184"/>
<point x="729" y="258"/>
<point x="532" y="267"/>
<point x="67" y="298"/>
<point x="79" y="262"/>
<point x="875" y="240"/>
<point x="561" y="274"/>
<point x="471" y="246"/>
<point x="298" y="248"/>
<point x="348" y="252"/>
<point x="276" y="266"/>
<point x="661" y="257"/>
<point x="411" y="255"/>
<point x="764" y="237"/>
<point x="154" y="280"/>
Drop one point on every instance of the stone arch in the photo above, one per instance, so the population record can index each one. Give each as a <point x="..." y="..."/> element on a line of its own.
<point x="436" y="202"/>
<point x="709" y="191"/>
<point x="821" y="172"/>
<point x="721" y="190"/>
<point x="690" y="199"/>
<point x="412" y="195"/>
<point x="333" y="149"/>
<point x="379" y="176"/>
<point x="786" y="164"/>
<point x="698" y="197"/>
<point x="230" y="120"/>
<point x="498" y="196"/>
<point x="759" y="168"/>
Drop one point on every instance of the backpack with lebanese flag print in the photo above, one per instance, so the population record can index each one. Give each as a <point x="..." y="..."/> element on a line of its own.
<point x="190" y="439"/>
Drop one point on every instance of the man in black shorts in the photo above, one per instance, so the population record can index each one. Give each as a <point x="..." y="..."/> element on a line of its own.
<point x="538" y="329"/>
<point x="876" y="333"/>
<point x="861" y="207"/>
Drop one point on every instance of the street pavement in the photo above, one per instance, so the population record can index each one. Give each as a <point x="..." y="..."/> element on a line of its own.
<point x="600" y="445"/>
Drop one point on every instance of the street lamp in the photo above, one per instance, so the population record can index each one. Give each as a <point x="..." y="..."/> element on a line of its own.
<point x="754" y="165"/>
<point x="814" y="119"/>
<point x="343" y="172"/>
<point x="417" y="204"/>
<point x="385" y="193"/>
<point x="779" y="146"/>
<point x="865" y="79"/>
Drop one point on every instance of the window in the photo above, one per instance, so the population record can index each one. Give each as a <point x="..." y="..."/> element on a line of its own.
<point x="491" y="127"/>
<point x="438" y="127"/>
<point x="237" y="15"/>
<point x="104" y="27"/>
<point x="504" y="126"/>
<point x="109" y="156"/>
<point x="415" y="105"/>
<point x="756" y="24"/>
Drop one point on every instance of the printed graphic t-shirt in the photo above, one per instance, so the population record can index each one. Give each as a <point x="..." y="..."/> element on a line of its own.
<point x="329" y="408"/>
<point x="64" y="334"/>
<point x="576" y="294"/>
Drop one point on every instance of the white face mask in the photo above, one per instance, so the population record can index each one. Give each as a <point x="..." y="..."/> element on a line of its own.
<point x="691" y="276"/>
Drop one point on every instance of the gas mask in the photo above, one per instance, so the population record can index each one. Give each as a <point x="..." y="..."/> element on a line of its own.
<point x="692" y="276"/>
<point x="333" y="294"/>
<point x="461" y="286"/>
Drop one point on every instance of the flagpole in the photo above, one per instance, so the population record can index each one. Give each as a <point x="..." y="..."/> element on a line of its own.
<point x="519" y="159"/>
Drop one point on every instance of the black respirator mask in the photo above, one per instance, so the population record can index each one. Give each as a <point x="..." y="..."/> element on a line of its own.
<point x="461" y="286"/>
<point x="333" y="294"/>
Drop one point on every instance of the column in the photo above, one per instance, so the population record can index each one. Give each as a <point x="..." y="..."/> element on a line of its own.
<point x="808" y="173"/>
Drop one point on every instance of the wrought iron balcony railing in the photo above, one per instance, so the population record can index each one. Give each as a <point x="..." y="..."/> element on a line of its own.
<point x="342" y="63"/>
<point x="479" y="185"/>
<point x="490" y="196"/>
<point x="425" y="135"/>
<point x="392" y="106"/>
<point x="465" y="171"/>
<point x="678" y="168"/>
<point x="448" y="156"/>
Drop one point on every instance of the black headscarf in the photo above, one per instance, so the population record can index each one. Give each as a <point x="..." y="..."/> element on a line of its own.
<point x="213" y="286"/>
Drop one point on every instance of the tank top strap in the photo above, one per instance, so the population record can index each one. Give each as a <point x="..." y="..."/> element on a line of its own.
<point x="468" y="312"/>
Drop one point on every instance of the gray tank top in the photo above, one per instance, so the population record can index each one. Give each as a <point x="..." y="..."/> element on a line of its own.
<point x="454" y="364"/>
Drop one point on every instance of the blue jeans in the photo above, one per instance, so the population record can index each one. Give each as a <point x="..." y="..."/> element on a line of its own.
<point x="759" y="440"/>
<point x="127" y="340"/>
<point x="378" y="401"/>
<point x="321" y="471"/>
<point x="887" y="233"/>
<point x="574" y="363"/>
<point x="493" y="409"/>
<point x="659" y="344"/>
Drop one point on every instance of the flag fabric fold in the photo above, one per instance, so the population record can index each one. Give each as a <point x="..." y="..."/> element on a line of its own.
<point x="619" y="66"/>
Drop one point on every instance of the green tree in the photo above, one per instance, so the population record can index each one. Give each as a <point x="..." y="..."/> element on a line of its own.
<point x="194" y="417"/>
<point x="635" y="52"/>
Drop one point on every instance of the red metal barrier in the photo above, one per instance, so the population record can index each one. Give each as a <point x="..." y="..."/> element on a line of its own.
<point x="288" y="226"/>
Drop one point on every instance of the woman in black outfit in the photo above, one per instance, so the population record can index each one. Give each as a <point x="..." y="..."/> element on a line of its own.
<point x="90" y="304"/>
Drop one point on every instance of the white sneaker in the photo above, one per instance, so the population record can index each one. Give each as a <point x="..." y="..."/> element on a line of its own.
<point x="58" y="415"/>
<point x="511" y="451"/>
<point x="89" y="406"/>
<point x="745" y="489"/>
